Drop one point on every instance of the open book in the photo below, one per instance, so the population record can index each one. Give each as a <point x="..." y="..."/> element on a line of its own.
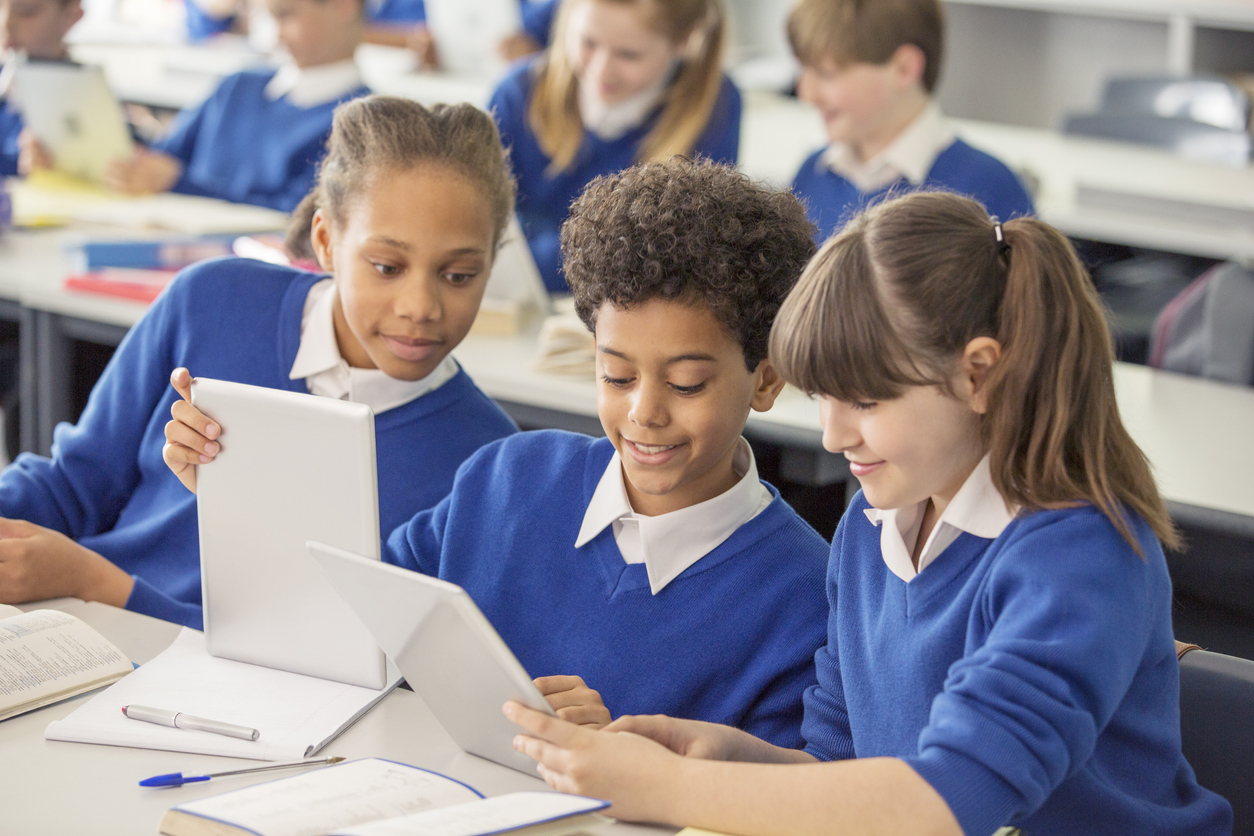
<point x="48" y="656"/>
<point x="374" y="797"/>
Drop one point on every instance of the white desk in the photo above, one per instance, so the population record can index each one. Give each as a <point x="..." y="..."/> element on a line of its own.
<point x="1196" y="433"/>
<point x="50" y="787"/>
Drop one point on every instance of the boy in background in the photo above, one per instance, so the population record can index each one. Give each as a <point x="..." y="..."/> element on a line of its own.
<point x="870" y="67"/>
<point x="36" y="28"/>
<point x="258" y="137"/>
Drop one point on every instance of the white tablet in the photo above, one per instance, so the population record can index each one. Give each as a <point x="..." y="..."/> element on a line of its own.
<point x="292" y="467"/>
<point x="467" y="33"/>
<point x="69" y="108"/>
<point x="445" y="647"/>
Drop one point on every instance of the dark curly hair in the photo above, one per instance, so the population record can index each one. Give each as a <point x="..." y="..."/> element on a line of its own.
<point x="689" y="231"/>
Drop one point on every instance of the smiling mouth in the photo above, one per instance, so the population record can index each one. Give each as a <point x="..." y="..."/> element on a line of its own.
<point x="650" y="454"/>
<point x="411" y="348"/>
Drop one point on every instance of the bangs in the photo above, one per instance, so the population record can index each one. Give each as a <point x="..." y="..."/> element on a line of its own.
<point x="815" y="33"/>
<point x="833" y="335"/>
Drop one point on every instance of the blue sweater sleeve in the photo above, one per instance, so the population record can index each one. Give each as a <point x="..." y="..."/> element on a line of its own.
<point x="537" y="19"/>
<point x="1070" y="608"/>
<point x="825" y="724"/>
<point x="94" y="466"/>
<point x="179" y="140"/>
<point x="416" y="545"/>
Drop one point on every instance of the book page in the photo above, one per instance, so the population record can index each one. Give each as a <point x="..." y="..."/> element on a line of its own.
<point x="323" y="800"/>
<point x="46" y="655"/>
<point x="477" y="818"/>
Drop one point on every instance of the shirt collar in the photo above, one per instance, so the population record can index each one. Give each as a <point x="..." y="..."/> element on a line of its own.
<point x="977" y="509"/>
<point x="611" y="121"/>
<point x="673" y="542"/>
<point x="313" y="86"/>
<point x="910" y="155"/>
<point x="318" y="361"/>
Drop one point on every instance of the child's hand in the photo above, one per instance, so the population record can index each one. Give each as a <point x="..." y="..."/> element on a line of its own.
<point x="190" y="436"/>
<point x="574" y="701"/>
<point x="32" y="154"/>
<point x="632" y="772"/>
<point x="38" y="563"/>
<point x="422" y="44"/>
<point x="143" y="172"/>
<point x="707" y="741"/>
<point x="518" y="45"/>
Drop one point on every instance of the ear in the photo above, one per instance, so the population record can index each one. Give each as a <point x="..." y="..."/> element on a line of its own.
<point x="767" y="387"/>
<point x="978" y="358"/>
<point x="320" y="238"/>
<point x="908" y="63"/>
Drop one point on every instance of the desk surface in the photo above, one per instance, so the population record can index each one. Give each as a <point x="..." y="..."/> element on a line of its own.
<point x="1195" y="432"/>
<point x="54" y="787"/>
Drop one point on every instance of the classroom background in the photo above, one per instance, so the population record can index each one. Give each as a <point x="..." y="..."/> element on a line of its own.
<point x="1128" y="121"/>
<point x="1035" y="82"/>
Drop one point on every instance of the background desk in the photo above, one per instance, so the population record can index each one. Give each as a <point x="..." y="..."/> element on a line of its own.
<point x="51" y="787"/>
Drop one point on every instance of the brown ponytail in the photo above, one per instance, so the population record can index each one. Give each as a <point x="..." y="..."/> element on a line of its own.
<point x="378" y="134"/>
<point x="892" y="302"/>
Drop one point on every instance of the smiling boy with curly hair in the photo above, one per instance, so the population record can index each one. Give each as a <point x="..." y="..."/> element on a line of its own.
<point x="653" y="565"/>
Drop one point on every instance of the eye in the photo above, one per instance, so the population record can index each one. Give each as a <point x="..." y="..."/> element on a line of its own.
<point x="864" y="406"/>
<point x="688" y="390"/>
<point x="460" y="279"/>
<point x="386" y="270"/>
<point x="616" y="382"/>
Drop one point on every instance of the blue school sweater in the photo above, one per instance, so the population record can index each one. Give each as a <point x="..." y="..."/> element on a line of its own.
<point x="544" y="200"/>
<point x="240" y="146"/>
<point x="731" y="640"/>
<point x="537" y="15"/>
<point x="1031" y="680"/>
<point x="10" y="128"/>
<point x="831" y="200"/>
<point x="201" y="25"/>
<point x="537" y="19"/>
<point x="106" y="484"/>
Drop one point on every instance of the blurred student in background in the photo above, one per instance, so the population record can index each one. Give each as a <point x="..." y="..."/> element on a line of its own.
<point x="37" y="29"/>
<point x="870" y="67"/>
<point x="258" y="137"/>
<point x="623" y="81"/>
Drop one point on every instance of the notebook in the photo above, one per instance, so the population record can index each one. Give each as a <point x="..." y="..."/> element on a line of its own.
<point x="296" y="715"/>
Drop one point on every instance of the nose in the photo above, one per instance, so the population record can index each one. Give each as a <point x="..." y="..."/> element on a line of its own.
<point x="840" y="432"/>
<point x="597" y="71"/>
<point x="419" y="299"/>
<point x="647" y="407"/>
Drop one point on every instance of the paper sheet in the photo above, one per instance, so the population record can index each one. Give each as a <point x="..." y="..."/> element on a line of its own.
<point x="296" y="715"/>
<point x="317" y="802"/>
<point x="48" y="198"/>
<point x="493" y="815"/>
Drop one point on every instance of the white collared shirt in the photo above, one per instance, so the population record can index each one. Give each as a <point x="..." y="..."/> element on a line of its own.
<point x="669" y="543"/>
<point x="976" y="509"/>
<point x="313" y="86"/>
<point x="910" y="155"/>
<point x="319" y="363"/>
<point x="610" y="121"/>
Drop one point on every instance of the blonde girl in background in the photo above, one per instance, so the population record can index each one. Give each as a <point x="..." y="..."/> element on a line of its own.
<point x="623" y="81"/>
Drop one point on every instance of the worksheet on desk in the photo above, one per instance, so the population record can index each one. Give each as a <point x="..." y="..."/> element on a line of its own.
<point x="296" y="715"/>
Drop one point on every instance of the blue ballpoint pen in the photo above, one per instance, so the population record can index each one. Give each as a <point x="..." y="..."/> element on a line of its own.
<point x="178" y="779"/>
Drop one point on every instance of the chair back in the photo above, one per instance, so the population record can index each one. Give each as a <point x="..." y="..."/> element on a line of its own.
<point x="1217" y="728"/>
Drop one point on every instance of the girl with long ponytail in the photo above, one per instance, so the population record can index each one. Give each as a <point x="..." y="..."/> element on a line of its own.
<point x="1000" y="651"/>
